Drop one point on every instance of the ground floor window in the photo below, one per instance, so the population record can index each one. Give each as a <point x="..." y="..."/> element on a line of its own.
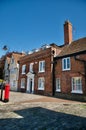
<point x="76" y="85"/>
<point x="14" y="83"/>
<point x="58" y="86"/>
<point x="23" y="83"/>
<point x="41" y="83"/>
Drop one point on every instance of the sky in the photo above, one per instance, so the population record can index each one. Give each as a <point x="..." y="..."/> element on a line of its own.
<point x="28" y="24"/>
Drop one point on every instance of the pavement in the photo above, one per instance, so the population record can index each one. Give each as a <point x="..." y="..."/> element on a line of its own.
<point x="35" y="112"/>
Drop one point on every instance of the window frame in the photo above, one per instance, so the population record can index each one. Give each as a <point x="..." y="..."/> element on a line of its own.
<point x="31" y="67"/>
<point x="24" y="69"/>
<point x="58" y="85"/>
<point x="40" y="80"/>
<point x="76" y="84"/>
<point x="65" y="64"/>
<point x="14" y="83"/>
<point x="42" y="64"/>
<point x="23" y="82"/>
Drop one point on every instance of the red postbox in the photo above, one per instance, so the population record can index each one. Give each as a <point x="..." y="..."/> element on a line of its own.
<point x="6" y="93"/>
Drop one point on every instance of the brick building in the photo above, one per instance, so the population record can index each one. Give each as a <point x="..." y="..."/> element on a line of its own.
<point x="70" y="67"/>
<point x="36" y="70"/>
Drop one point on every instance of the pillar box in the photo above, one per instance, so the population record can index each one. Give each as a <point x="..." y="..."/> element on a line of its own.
<point x="6" y="93"/>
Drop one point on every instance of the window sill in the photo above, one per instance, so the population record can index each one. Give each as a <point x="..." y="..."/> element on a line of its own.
<point x="40" y="88"/>
<point x="23" y="73"/>
<point x="77" y="92"/>
<point x="41" y="71"/>
<point x="22" y="87"/>
<point x="65" y="69"/>
<point x="58" y="90"/>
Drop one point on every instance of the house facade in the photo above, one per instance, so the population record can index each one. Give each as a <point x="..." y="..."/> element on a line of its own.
<point x="36" y="70"/>
<point x="70" y="68"/>
<point x="6" y="69"/>
<point x="2" y="61"/>
<point x="11" y="70"/>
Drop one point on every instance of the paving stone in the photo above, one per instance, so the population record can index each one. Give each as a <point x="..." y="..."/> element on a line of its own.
<point x="35" y="112"/>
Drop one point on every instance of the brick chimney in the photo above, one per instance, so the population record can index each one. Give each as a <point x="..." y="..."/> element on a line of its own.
<point x="67" y="32"/>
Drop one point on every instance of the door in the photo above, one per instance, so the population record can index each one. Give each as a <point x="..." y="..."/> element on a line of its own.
<point x="30" y="85"/>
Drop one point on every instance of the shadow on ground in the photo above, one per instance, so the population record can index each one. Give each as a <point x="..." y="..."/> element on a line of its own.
<point x="39" y="118"/>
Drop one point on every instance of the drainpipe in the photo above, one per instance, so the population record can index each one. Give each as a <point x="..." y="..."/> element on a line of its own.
<point x="53" y="76"/>
<point x="53" y="79"/>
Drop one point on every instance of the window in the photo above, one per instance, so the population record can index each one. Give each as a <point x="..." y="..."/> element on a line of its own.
<point x="12" y="60"/>
<point x="76" y="85"/>
<point x="23" y="83"/>
<point x="41" y="82"/>
<point x="12" y="71"/>
<point x="58" y="87"/>
<point x="23" y="69"/>
<point x="17" y="65"/>
<point x="42" y="66"/>
<point x="14" y="83"/>
<point x="31" y="67"/>
<point x="66" y="63"/>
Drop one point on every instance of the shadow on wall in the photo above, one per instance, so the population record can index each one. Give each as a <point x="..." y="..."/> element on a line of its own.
<point x="38" y="118"/>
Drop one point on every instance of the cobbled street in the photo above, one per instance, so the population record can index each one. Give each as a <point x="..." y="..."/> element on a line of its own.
<point x="34" y="112"/>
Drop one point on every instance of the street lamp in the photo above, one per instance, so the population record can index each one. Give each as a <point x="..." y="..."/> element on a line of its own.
<point x="5" y="48"/>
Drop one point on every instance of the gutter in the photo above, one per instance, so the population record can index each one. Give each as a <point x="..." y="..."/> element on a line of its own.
<point x="69" y="55"/>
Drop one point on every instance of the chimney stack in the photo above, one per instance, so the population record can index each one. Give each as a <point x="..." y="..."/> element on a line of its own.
<point x="67" y="32"/>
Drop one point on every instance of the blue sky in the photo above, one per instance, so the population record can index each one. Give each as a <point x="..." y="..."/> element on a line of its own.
<point x="28" y="24"/>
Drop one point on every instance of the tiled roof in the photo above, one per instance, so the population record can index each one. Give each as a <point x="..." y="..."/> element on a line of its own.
<point x="75" y="47"/>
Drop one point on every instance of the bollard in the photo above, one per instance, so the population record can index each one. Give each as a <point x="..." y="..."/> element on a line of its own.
<point x="6" y="93"/>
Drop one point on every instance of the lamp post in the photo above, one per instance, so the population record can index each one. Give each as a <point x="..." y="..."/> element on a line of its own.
<point x="5" y="48"/>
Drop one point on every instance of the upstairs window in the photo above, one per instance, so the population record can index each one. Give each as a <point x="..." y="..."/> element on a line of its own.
<point x="31" y="67"/>
<point x="23" y="69"/>
<point x="12" y="60"/>
<point x="76" y="85"/>
<point x="66" y="63"/>
<point x="42" y="66"/>
<point x="12" y="71"/>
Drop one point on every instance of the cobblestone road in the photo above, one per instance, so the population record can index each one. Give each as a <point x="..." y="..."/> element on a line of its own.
<point x="35" y="112"/>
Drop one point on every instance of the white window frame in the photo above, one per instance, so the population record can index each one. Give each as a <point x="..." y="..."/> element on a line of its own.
<point x="65" y="64"/>
<point x="42" y="66"/>
<point x="12" y="71"/>
<point x="23" y="83"/>
<point x="12" y="60"/>
<point x="41" y="83"/>
<point x="31" y="67"/>
<point x="58" y="85"/>
<point x="76" y="84"/>
<point x="23" y="69"/>
<point x="14" y="83"/>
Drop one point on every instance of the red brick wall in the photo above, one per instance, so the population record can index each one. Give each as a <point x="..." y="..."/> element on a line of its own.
<point x="77" y="69"/>
<point x="35" y="58"/>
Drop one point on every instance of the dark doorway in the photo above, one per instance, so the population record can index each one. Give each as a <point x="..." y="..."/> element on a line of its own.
<point x="30" y="85"/>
